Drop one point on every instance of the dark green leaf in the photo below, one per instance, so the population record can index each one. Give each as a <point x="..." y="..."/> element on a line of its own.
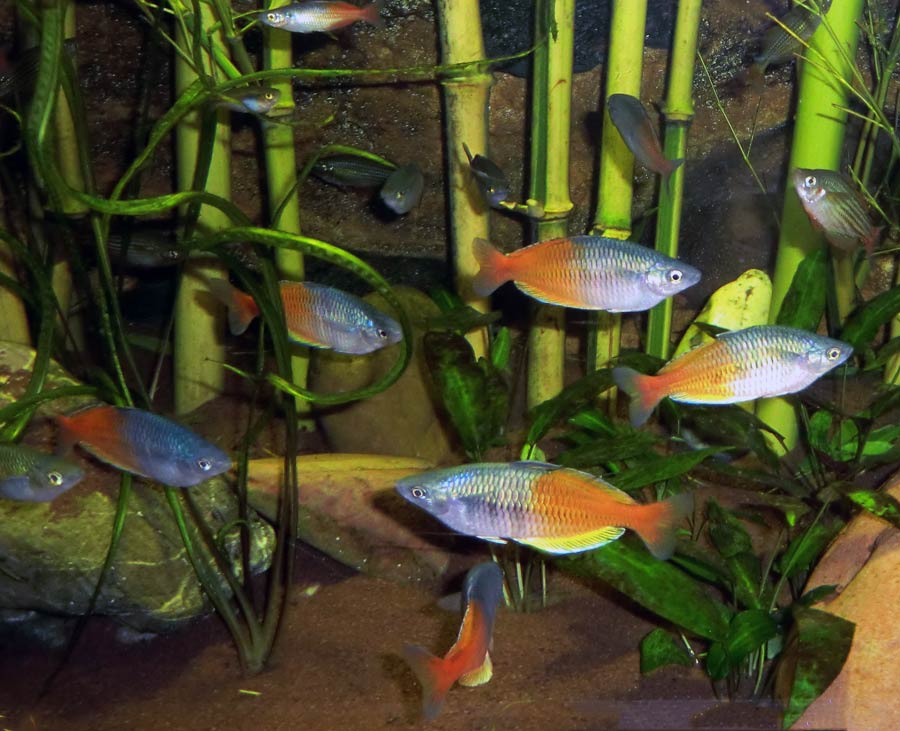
<point x="461" y="319"/>
<point x="804" y="303"/>
<point x="657" y="469"/>
<point x="570" y="399"/>
<point x="598" y="451"/>
<point x="746" y="575"/>
<point x="717" y="664"/>
<point x="594" y="420"/>
<point x="816" y="650"/>
<point x="446" y="300"/>
<point x="749" y="630"/>
<point x="885" y="353"/>
<point x="817" y="594"/>
<point x="863" y="324"/>
<point x="877" y="503"/>
<point x="727" y="533"/>
<point x="656" y="585"/>
<point x="659" y="649"/>
<point x="501" y="346"/>
<point x="807" y="547"/>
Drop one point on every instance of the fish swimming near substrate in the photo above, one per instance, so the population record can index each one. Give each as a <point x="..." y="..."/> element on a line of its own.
<point x="835" y="206"/>
<point x="402" y="191"/>
<point x="743" y="365"/>
<point x="637" y="129"/>
<point x="316" y="315"/>
<point x="352" y="171"/>
<point x="28" y="475"/>
<point x="142" y="443"/>
<point x="468" y="661"/>
<point x="551" y="508"/>
<point x="585" y="272"/>
<point x="320" y="15"/>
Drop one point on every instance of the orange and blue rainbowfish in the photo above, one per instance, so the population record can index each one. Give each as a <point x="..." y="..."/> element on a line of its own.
<point x="756" y="362"/>
<point x="836" y="207"/>
<point x="143" y="443"/>
<point x="553" y="509"/>
<point x="634" y="124"/>
<point x="320" y="15"/>
<point x="317" y="316"/>
<point x="469" y="660"/>
<point x="585" y="272"/>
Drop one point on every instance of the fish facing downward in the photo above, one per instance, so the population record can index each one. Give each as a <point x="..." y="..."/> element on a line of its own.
<point x="634" y="124"/>
<point x="320" y="15"/>
<point x="743" y="365"/>
<point x="836" y="207"/>
<point x="317" y="316"/>
<point x="468" y="661"/>
<point x="491" y="180"/>
<point x="28" y="475"/>
<point x="403" y="188"/>
<point x="143" y="443"/>
<point x="585" y="272"/>
<point x="553" y="509"/>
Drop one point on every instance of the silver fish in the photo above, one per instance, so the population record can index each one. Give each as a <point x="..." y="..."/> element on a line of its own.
<point x="490" y="178"/>
<point x="402" y="191"/>
<point x="28" y="475"/>
<point x="320" y="15"/>
<point x="637" y="129"/>
<point x="256" y="99"/>
<point x="352" y="171"/>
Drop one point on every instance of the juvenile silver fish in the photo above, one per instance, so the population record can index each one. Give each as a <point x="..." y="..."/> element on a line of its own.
<point x="402" y="191"/>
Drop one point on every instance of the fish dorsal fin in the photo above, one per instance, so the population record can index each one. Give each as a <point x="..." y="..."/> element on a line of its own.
<point x="577" y="543"/>
<point x="534" y="464"/>
<point x="479" y="676"/>
<point x="611" y="491"/>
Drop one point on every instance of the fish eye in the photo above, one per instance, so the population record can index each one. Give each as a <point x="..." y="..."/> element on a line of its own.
<point x="204" y="464"/>
<point x="382" y="333"/>
<point x="675" y="276"/>
<point x="418" y="492"/>
<point x="269" y="96"/>
<point x="809" y="181"/>
<point x="833" y="353"/>
<point x="272" y="17"/>
<point x="55" y="478"/>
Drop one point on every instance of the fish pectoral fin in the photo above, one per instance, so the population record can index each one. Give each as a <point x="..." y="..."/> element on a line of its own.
<point x="493" y="539"/>
<point x="576" y="543"/>
<point x="479" y="676"/>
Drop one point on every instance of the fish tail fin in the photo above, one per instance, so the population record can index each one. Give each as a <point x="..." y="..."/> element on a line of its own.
<point x="659" y="524"/>
<point x="870" y="240"/>
<point x="66" y="438"/>
<point x="641" y="389"/>
<point x="493" y="271"/>
<point x="241" y="307"/>
<point x="672" y="166"/>
<point x="371" y="14"/>
<point x="433" y="676"/>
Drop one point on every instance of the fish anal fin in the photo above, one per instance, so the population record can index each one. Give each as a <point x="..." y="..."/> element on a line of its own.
<point x="493" y="539"/>
<point x="553" y="298"/>
<point x="480" y="675"/>
<point x="576" y="543"/>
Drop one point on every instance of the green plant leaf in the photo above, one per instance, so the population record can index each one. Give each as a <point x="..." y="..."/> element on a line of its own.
<point x="807" y="547"/>
<point x="569" y="400"/>
<point x="658" y="469"/>
<point x="658" y="586"/>
<point x="461" y="319"/>
<point x="717" y="664"/>
<point x="804" y="303"/>
<point x="816" y="650"/>
<point x="659" y="648"/>
<point x="877" y="503"/>
<point x="727" y="533"/>
<point x="749" y="630"/>
<point x="501" y="346"/>
<point x="600" y="450"/>
<point x="594" y="420"/>
<point x="863" y="324"/>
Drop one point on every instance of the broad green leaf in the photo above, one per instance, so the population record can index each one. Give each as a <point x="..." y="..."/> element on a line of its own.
<point x="804" y="303"/>
<point x="877" y="503"/>
<point x="814" y="595"/>
<point x="594" y="420"/>
<point x="749" y="630"/>
<point x="746" y="577"/>
<point x="501" y="346"/>
<point x="598" y="451"/>
<point x="658" y="586"/>
<point x="717" y="663"/>
<point x="657" y="469"/>
<point x="659" y="648"/>
<point x="806" y="548"/>
<point x="570" y="399"/>
<point x="727" y="533"/>
<point x="461" y="319"/>
<point x="864" y="323"/>
<point x="816" y="650"/>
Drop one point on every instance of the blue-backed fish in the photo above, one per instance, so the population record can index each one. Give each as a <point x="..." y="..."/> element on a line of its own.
<point x="743" y="365"/>
<point x="489" y="178"/>
<point x="320" y="15"/>
<point x="585" y="272"/>
<point x="316" y="315"/>
<point x="637" y="130"/>
<point x="143" y="443"/>
<point x="835" y="206"/>
<point x="144" y="249"/>
<point x="468" y="661"/>
<point x="28" y="475"/>
<point x="553" y="509"/>
<point x="403" y="188"/>
<point x="256" y="99"/>
<point x="352" y="171"/>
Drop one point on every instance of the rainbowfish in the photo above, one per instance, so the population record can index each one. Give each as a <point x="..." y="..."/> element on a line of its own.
<point x="144" y="249"/>
<point x="32" y="476"/>
<point x="352" y="171"/>
<point x="585" y="272"/>
<point x="256" y="99"/>
<point x="317" y="316"/>
<point x="469" y="660"/>
<point x="491" y="180"/>
<point x="743" y="365"/>
<point x="835" y="206"/>
<point x="551" y="508"/>
<point x="320" y="15"/>
<point x="402" y="191"/>
<point x="143" y="443"/>
<point x="779" y="46"/>
<point x="634" y="124"/>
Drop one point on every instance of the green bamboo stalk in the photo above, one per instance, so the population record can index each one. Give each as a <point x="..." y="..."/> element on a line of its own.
<point x="615" y="183"/>
<point x="678" y="112"/>
<point x="199" y="349"/>
<point x="550" y="131"/>
<point x="281" y="179"/>
<point x="818" y="140"/>
<point x="466" y="97"/>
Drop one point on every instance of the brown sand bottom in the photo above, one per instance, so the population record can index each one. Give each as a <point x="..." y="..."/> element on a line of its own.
<point x="573" y="665"/>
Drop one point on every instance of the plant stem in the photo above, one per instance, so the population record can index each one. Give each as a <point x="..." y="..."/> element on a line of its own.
<point x="14" y="323"/>
<point x="678" y="112"/>
<point x="466" y="119"/>
<point x="818" y="140"/>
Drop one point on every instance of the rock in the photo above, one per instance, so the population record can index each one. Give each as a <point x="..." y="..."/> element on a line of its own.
<point x="864" y="564"/>
<point x="400" y="421"/>
<point x="51" y="553"/>
<point x="350" y="511"/>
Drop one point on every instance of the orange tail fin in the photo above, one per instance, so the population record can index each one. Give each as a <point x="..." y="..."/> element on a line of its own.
<point x="494" y="270"/>
<point x="66" y="439"/>
<point x="371" y="14"/>
<point x="642" y="390"/>
<point x="241" y="307"/>
<point x="433" y="675"/>
<point x="659" y="523"/>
